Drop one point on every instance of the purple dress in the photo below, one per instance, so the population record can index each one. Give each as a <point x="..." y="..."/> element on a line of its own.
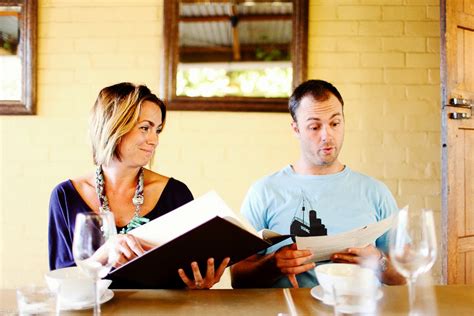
<point x="66" y="203"/>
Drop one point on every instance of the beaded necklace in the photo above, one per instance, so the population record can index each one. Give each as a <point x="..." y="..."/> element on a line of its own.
<point x="137" y="199"/>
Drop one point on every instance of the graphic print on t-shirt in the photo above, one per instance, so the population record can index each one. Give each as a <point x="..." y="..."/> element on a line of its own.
<point x="312" y="227"/>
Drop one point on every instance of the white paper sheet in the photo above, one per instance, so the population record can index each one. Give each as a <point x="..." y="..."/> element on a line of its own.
<point x="323" y="247"/>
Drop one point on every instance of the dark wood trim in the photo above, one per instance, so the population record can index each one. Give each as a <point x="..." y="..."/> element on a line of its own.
<point x="299" y="53"/>
<point x="26" y="49"/>
<point x="230" y="104"/>
<point x="170" y="62"/>
<point x="213" y="18"/>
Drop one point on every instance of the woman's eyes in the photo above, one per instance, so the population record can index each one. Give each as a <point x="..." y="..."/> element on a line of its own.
<point x="147" y="128"/>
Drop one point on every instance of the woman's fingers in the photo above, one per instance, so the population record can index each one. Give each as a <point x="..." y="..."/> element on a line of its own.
<point x="210" y="269"/>
<point x="134" y="245"/>
<point x="186" y="280"/>
<point x="221" y="269"/>
<point x="198" y="281"/>
<point x="212" y="275"/>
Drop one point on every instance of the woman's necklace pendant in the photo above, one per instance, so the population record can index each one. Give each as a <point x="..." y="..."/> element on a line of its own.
<point x="134" y="223"/>
<point x="137" y="200"/>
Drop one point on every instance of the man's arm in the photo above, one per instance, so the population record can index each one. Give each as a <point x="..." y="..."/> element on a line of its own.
<point x="261" y="271"/>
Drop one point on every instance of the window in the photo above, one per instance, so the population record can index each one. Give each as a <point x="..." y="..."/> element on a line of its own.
<point x="233" y="55"/>
<point x="17" y="56"/>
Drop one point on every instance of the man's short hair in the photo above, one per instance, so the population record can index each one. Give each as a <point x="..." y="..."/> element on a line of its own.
<point x="114" y="114"/>
<point x="320" y="90"/>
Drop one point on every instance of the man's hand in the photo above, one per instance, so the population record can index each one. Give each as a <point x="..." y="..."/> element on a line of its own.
<point x="291" y="261"/>
<point x="369" y="257"/>
<point x="366" y="256"/>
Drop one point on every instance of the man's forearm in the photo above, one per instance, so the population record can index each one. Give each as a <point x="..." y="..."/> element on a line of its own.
<point x="255" y="272"/>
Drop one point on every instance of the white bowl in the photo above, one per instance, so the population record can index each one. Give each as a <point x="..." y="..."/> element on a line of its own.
<point x="346" y="276"/>
<point x="73" y="286"/>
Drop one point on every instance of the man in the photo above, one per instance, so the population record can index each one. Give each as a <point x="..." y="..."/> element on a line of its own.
<point x="317" y="195"/>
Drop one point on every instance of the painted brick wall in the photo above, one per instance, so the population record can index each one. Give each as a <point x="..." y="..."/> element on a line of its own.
<point x="383" y="55"/>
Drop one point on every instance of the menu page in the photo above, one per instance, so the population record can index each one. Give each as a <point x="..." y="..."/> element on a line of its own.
<point x="323" y="247"/>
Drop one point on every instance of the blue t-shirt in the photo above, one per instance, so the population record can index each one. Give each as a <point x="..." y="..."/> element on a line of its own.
<point x="343" y="201"/>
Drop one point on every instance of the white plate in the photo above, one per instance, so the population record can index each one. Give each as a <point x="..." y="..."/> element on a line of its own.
<point x="318" y="293"/>
<point x="80" y="305"/>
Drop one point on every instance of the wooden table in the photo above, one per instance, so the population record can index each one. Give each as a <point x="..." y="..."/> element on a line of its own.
<point x="439" y="300"/>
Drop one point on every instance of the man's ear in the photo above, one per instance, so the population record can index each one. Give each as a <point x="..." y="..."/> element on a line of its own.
<point x="294" y="127"/>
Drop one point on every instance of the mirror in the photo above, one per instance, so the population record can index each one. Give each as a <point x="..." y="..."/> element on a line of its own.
<point x="234" y="55"/>
<point x="17" y="56"/>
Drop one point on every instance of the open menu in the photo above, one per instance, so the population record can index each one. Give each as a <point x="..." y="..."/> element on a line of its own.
<point x="201" y="229"/>
<point x="323" y="247"/>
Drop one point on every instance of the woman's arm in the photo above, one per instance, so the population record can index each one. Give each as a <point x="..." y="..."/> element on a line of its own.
<point x="59" y="232"/>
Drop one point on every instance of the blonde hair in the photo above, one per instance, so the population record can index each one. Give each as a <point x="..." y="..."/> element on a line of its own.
<point x="114" y="114"/>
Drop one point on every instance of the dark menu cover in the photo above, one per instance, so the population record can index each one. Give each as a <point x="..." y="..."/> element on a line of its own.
<point x="217" y="238"/>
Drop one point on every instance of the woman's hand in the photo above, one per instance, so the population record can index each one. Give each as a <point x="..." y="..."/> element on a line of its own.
<point x="129" y="247"/>
<point x="212" y="276"/>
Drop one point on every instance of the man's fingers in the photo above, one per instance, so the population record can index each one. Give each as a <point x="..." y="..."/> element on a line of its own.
<point x="344" y="257"/>
<point x="298" y="269"/>
<point x="292" y="254"/>
<point x="293" y="281"/>
<point x="284" y="263"/>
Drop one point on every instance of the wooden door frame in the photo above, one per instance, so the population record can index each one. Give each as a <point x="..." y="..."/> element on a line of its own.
<point x="444" y="147"/>
<point x="450" y="204"/>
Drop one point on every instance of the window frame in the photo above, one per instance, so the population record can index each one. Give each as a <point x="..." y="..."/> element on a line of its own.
<point x="27" y="50"/>
<point x="252" y="104"/>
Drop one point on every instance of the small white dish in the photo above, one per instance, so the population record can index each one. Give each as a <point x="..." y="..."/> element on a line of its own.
<point x="318" y="293"/>
<point x="108" y="295"/>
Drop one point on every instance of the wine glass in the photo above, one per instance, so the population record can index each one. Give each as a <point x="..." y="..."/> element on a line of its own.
<point x="94" y="247"/>
<point x="413" y="246"/>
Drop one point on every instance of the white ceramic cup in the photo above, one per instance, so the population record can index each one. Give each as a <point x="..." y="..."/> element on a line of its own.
<point x="346" y="278"/>
<point x="74" y="287"/>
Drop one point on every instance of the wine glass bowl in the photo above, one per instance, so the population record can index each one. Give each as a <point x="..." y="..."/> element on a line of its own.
<point x="413" y="245"/>
<point x="94" y="247"/>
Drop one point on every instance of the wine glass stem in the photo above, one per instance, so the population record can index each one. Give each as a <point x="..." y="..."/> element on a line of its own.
<point x="97" y="298"/>
<point x="411" y="292"/>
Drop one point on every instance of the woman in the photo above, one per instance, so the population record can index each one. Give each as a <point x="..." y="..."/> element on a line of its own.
<point x="126" y="121"/>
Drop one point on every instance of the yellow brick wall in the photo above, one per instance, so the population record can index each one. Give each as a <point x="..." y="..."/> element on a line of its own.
<point x="383" y="55"/>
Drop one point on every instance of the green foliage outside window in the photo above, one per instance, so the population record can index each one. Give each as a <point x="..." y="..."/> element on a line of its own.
<point x="270" y="82"/>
